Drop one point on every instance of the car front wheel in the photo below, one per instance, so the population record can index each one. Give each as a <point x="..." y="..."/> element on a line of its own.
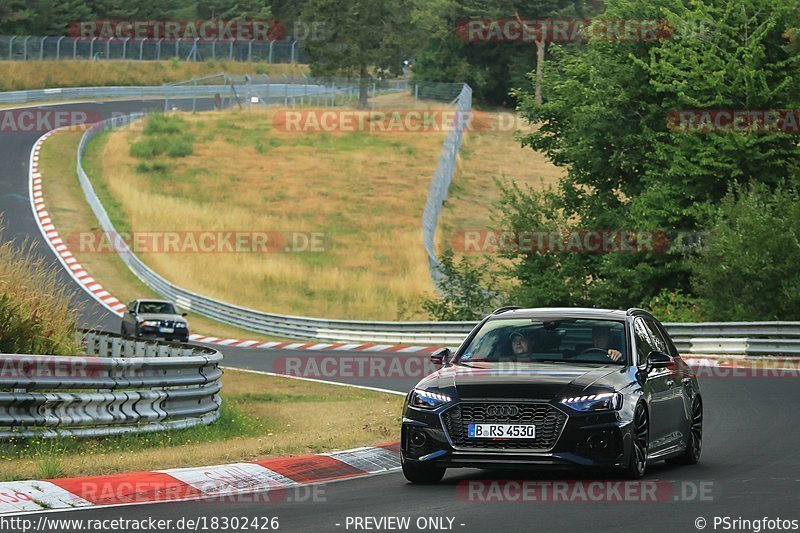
<point x="420" y="473"/>
<point x="637" y="465"/>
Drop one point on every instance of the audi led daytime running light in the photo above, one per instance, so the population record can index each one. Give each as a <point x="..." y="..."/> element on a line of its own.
<point x="607" y="401"/>
<point x="428" y="400"/>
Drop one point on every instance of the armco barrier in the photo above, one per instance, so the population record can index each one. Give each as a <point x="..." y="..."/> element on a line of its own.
<point x="122" y="386"/>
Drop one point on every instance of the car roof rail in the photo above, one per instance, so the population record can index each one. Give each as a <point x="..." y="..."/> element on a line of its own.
<point x="506" y="308"/>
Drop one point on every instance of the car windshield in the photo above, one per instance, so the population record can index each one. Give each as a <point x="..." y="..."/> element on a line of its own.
<point x="157" y="308"/>
<point x="556" y="340"/>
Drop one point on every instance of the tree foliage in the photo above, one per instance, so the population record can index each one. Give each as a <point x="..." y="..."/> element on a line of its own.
<point x="605" y="119"/>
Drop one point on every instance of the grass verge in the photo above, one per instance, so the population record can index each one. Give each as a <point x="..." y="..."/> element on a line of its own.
<point x="363" y="193"/>
<point x="259" y="419"/>
<point x="27" y="75"/>
<point x="72" y="215"/>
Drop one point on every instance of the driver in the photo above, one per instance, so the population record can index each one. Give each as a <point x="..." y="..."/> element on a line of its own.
<point x="601" y="338"/>
<point x="520" y="344"/>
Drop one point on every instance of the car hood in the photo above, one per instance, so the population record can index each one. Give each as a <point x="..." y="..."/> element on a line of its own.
<point x="542" y="381"/>
<point x="160" y="316"/>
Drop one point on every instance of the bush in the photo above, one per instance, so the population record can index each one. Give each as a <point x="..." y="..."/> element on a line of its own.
<point x="163" y="134"/>
<point x="674" y="306"/>
<point x="463" y="296"/>
<point x="164" y="124"/>
<point x="37" y="314"/>
<point x="748" y="270"/>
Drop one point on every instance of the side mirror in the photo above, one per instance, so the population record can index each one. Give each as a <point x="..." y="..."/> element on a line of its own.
<point x="440" y="356"/>
<point x="184" y="314"/>
<point x="658" y="360"/>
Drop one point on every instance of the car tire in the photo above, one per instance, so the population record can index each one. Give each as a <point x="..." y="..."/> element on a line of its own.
<point x="695" y="445"/>
<point x="637" y="464"/>
<point x="422" y="474"/>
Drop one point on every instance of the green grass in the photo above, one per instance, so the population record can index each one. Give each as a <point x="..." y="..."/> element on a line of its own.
<point x="93" y="166"/>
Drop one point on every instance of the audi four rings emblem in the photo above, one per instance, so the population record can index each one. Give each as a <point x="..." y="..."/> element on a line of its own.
<point x="502" y="410"/>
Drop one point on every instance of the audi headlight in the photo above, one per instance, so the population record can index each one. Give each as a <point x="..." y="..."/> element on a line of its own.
<point x="607" y="401"/>
<point x="428" y="400"/>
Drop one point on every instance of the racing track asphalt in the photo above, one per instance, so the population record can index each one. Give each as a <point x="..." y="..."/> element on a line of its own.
<point x="750" y="466"/>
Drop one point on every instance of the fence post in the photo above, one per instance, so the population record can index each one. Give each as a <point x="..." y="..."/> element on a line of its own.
<point x="11" y="46"/>
<point x="292" y="61"/>
<point x="58" y="47"/>
<point x="25" y="48"/>
<point x="270" y="52"/>
<point x="250" y="50"/>
<point x="41" y="48"/>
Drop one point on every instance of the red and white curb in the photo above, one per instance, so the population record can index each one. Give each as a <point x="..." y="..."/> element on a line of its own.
<point x="315" y="346"/>
<point x="43" y="220"/>
<point x="182" y="484"/>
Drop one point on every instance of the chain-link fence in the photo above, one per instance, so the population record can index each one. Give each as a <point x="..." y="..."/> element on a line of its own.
<point x="32" y="47"/>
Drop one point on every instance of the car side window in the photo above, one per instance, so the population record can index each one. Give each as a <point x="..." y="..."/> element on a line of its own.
<point x="132" y="307"/>
<point x="659" y="341"/>
<point x="644" y="345"/>
<point x="671" y="349"/>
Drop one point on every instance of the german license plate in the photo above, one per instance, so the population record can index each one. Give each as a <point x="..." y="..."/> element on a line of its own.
<point x="502" y="431"/>
<point x="166" y="330"/>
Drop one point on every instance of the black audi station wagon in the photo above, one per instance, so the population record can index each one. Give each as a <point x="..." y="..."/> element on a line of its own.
<point x="558" y="387"/>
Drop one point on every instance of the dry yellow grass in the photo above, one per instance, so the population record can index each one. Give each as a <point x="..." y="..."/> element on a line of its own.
<point x="260" y="421"/>
<point x="71" y="215"/>
<point x="364" y="192"/>
<point x="20" y="75"/>
<point x="489" y="154"/>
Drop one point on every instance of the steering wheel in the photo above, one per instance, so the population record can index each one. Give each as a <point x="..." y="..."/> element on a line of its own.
<point x="594" y="350"/>
<point x="598" y="355"/>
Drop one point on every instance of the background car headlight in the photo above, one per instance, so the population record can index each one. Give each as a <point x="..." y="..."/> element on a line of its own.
<point x="607" y="401"/>
<point x="180" y="324"/>
<point x="428" y="400"/>
<point x="149" y="323"/>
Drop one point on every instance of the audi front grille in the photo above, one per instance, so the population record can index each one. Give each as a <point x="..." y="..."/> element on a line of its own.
<point x="549" y="422"/>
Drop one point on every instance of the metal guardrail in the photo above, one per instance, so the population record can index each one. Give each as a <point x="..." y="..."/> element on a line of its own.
<point x="158" y="92"/>
<point x="122" y="386"/>
<point x="442" y="177"/>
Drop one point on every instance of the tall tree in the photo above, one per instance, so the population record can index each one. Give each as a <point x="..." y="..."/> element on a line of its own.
<point x="358" y="35"/>
<point x="605" y="119"/>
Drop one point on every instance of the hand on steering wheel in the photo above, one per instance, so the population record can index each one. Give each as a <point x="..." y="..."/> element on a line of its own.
<point x="614" y="355"/>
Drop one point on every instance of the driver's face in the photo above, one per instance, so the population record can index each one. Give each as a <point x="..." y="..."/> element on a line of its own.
<point x="600" y="339"/>
<point x="519" y="345"/>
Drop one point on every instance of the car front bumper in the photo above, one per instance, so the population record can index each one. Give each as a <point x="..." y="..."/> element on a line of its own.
<point x="590" y="440"/>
